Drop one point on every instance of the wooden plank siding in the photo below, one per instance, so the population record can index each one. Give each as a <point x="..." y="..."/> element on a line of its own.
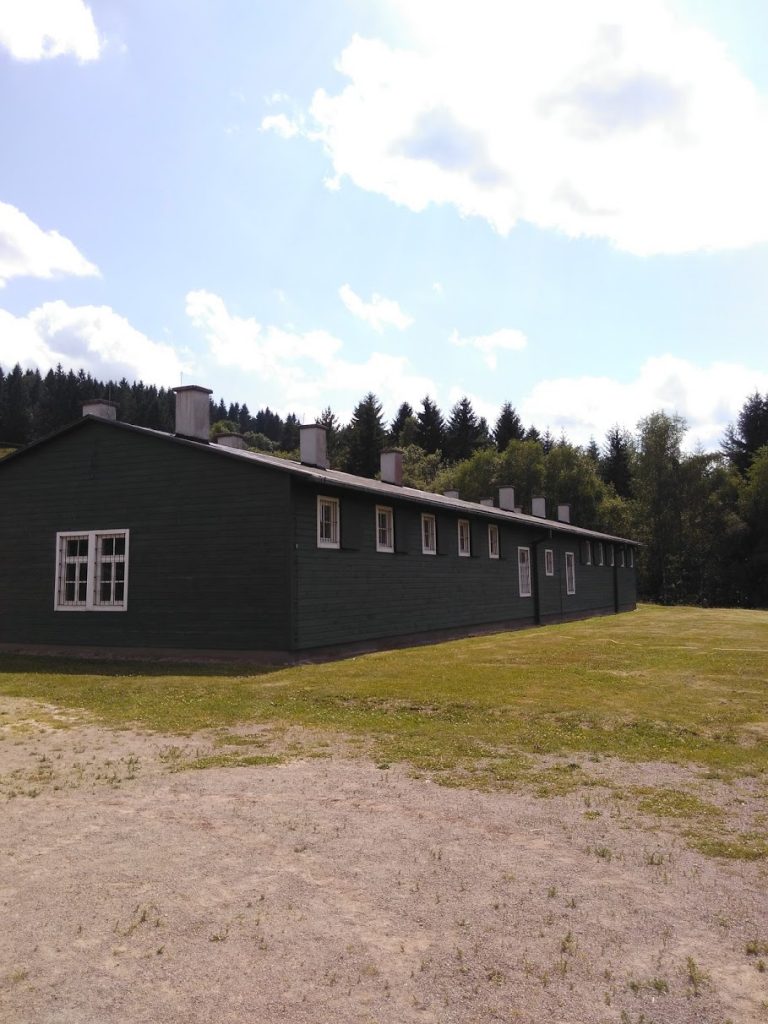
<point x="210" y="559"/>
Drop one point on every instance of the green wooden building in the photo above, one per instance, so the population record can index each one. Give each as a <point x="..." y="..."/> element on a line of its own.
<point x="115" y="536"/>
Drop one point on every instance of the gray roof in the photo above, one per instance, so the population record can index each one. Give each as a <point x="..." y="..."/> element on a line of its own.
<point x="348" y="481"/>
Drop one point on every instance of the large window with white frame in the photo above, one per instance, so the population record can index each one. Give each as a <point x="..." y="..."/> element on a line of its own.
<point x="327" y="522"/>
<point x="465" y="544"/>
<point x="493" y="540"/>
<point x="549" y="562"/>
<point x="428" y="534"/>
<point x="385" y="528"/>
<point x="570" y="572"/>
<point x="92" y="571"/>
<point x="524" y="571"/>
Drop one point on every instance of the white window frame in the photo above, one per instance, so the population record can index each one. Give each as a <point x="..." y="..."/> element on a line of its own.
<point x="464" y="537"/>
<point x="631" y="557"/>
<point x="570" y="572"/>
<point x="611" y="555"/>
<point x="549" y="562"/>
<point x="524" y="571"/>
<point x="599" y="554"/>
<point x="92" y="562"/>
<point x="493" y="540"/>
<point x="428" y="534"/>
<point x="385" y="529"/>
<point x="329" y="538"/>
<point x="622" y="560"/>
<point x="587" y="550"/>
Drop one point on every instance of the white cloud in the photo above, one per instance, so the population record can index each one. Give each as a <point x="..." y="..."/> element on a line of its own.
<point x="613" y="119"/>
<point x="281" y="125"/>
<point x="378" y="313"/>
<point x="26" y="250"/>
<point x="302" y="370"/>
<point x="95" y="338"/>
<point x="507" y="339"/>
<point x="709" y="397"/>
<point x="39" y="29"/>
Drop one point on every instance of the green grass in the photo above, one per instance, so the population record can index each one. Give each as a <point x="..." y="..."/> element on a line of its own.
<point x="679" y="685"/>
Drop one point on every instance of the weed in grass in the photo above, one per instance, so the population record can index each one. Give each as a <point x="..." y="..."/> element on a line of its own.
<point x="757" y="947"/>
<point x="604" y="853"/>
<point x="142" y="914"/>
<point x="739" y="846"/>
<point x="221" y="935"/>
<point x="695" y="976"/>
<point x="660" y="985"/>
<point x="568" y="944"/>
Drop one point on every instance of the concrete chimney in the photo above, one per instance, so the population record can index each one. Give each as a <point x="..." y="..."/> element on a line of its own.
<point x="231" y="441"/>
<point x="539" y="507"/>
<point x="487" y="502"/>
<point x="507" y="498"/>
<point x="100" y="407"/>
<point x="193" y="413"/>
<point x="564" y="513"/>
<point x="450" y="494"/>
<point x="312" y="445"/>
<point x="392" y="467"/>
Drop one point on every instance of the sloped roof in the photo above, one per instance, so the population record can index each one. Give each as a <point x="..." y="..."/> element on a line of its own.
<point x="336" y="479"/>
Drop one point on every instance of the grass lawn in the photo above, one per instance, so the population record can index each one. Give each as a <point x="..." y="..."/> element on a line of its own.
<point x="665" y="684"/>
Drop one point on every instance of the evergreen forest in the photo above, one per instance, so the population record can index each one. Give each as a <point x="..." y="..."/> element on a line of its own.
<point x="702" y="517"/>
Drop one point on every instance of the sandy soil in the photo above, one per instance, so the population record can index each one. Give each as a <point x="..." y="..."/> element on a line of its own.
<point x="327" y="889"/>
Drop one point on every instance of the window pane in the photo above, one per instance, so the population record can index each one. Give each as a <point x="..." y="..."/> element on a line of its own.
<point x="106" y="572"/>
<point x="72" y="548"/>
<point x="82" y="591"/>
<point x="69" y="592"/>
<point x="107" y="546"/>
<point x="119" y="593"/>
<point x="120" y="545"/>
<point x="71" y="571"/>
<point x="105" y="592"/>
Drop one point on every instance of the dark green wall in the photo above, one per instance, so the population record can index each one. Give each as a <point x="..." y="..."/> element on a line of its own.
<point x="209" y="542"/>
<point x="356" y="593"/>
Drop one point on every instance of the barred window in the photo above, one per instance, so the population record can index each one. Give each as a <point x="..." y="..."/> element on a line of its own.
<point x="570" y="572"/>
<point x="92" y="571"/>
<point x="428" y="534"/>
<point x="385" y="529"/>
<point x="493" y="540"/>
<point x="327" y="522"/>
<point x="524" y="571"/>
<point x="464" y="539"/>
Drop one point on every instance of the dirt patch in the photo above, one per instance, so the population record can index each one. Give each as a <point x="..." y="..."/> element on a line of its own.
<point x="135" y="888"/>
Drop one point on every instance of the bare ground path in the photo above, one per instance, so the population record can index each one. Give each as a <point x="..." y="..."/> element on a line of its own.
<point x="327" y="889"/>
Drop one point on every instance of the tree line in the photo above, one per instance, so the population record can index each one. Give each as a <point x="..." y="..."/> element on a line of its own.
<point x="702" y="517"/>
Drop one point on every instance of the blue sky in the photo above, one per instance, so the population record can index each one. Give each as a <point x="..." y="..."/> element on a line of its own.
<point x="560" y="205"/>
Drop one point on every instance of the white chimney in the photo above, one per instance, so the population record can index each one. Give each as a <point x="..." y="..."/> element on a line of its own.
<point x="392" y="467"/>
<point x="312" y="445"/>
<point x="507" y="499"/>
<point x="539" y="507"/>
<point x="231" y="441"/>
<point x="487" y="501"/>
<point x="100" y="407"/>
<point x="193" y="412"/>
<point x="450" y="494"/>
<point x="564" y="513"/>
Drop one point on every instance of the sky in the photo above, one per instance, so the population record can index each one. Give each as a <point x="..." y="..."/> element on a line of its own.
<point x="558" y="205"/>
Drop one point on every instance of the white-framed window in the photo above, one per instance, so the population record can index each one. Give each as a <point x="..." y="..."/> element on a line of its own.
<point x="631" y="557"/>
<point x="549" y="562"/>
<point x="611" y="555"/>
<point x="428" y="534"/>
<point x="621" y="557"/>
<point x="493" y="540"/>
<point x="465" y="545"/>
<point x="524" y="571"/>
<point x="570" y="572"/>
<point x="327" y="522"/>
<point x="599" y="556"/>
<point x="385" y="528"/>
<point x="92" y="571"/>
<point x="586" y="552"/>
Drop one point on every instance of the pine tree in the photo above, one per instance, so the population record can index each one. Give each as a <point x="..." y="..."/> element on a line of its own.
<point x="508" y="427"/>
<point x="463" y="434"/>
<point x="750" y="433"/>
<point x="616" y="461"/>
<point x="430" y="433"/>
<point x="366" y="437"/>
<point x="403" y="415"/>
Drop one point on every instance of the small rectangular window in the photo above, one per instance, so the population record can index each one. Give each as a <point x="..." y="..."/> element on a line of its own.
<point x="570" y="572"/>
<point x="611" y="555"/>
<point x="327" y="522"/>
<point x="464" y="541"/>
<point x="599" y="558"/>
<point x="631" y="557"/>
<point x="586" y="552"/>
<point x="549" y="562"/>
<point x="524" y="571"/>
<point x="428" y="535"/>
<point x="91" y="571"/>
<point x="621" y="557"/>
<point x="385" y="529"/>
<point x="493" y="540"/>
